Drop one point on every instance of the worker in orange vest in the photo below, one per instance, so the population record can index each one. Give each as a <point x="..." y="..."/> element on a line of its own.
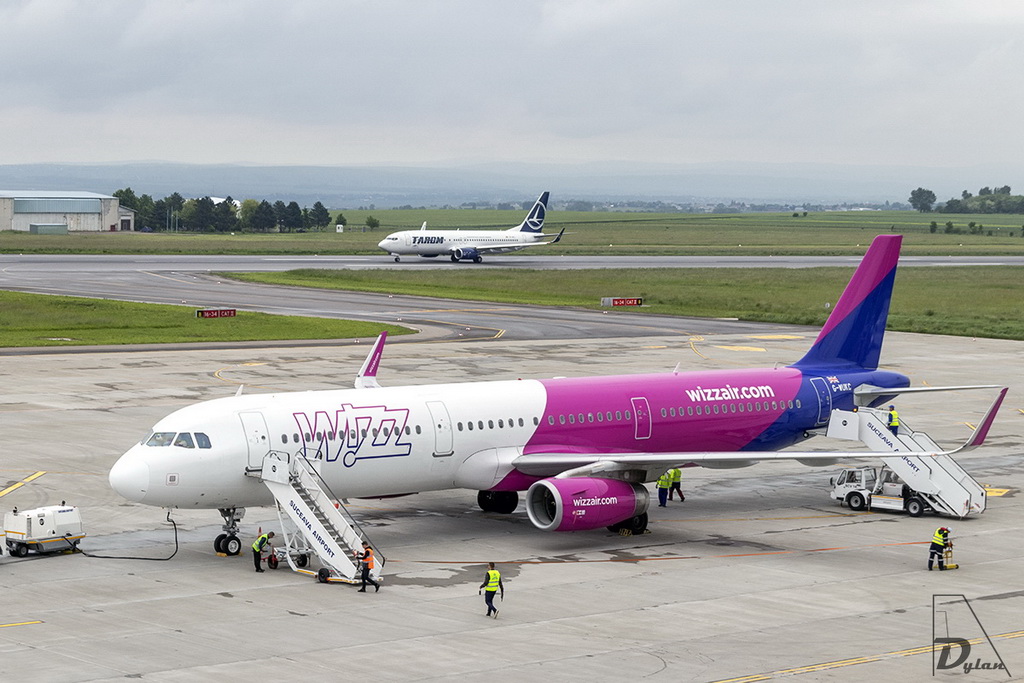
<point x="367" y="559"/>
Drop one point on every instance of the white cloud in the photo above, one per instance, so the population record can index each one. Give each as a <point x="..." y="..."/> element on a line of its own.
<point x="349" y="81"/>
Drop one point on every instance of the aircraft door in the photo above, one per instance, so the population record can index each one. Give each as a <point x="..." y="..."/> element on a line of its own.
<point x="442" y="428"/>
<point x="824" y="393"/>
<point x="256" y="437"/>
<point x="641" y="417"/>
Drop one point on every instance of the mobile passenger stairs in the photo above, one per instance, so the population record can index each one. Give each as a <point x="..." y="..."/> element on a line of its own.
<point x="906" y="482"/>
<point x="312" y="524"/>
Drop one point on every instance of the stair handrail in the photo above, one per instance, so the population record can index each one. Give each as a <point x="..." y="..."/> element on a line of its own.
<point x="301" y="458"/>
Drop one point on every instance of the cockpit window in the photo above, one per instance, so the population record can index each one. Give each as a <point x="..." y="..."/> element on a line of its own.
<point x="161" y="439"/>
<point x="184" y="440"/>
<point x="203" y="440"/>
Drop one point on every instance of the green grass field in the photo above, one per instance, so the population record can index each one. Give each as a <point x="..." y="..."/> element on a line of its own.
<point x="968" y="301"/>
<point x="827" y="233"/>
<point x="971" y="301"/>
<point x="42" y="320"/>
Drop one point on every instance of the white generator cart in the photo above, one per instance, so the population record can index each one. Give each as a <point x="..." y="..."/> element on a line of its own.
<point x="46" y="530"/>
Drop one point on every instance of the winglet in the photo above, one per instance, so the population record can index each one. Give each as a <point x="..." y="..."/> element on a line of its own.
<point x="560" y="232"/>
<point x="981" y="432"/>
<point x="367" y="376"/>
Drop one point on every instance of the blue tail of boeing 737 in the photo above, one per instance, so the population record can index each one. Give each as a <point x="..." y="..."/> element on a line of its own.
<point x="852" y="335"/>
<point x="534" y="221"/>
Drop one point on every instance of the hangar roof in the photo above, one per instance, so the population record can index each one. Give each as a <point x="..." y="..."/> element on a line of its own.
<point x="51" y="194"/>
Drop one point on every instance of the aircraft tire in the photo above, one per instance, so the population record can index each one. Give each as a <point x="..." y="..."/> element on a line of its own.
<point x="398" y="259"/>
<point x="915" y="507"/>
<point x="231" y="545"/>
<point x="505" y="502"/>
<point x="218" y="543"/>
<point x="856" y="502"/>
<point x="637" y="524"/>
<point x="455" y="259"/>
<point x="478" y="259"/>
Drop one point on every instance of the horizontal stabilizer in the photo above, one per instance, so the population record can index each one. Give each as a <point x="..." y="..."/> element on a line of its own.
<point x="864" y="394"/>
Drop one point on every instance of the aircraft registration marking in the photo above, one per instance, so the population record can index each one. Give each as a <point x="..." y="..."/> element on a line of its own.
<point x="21" y="483"/>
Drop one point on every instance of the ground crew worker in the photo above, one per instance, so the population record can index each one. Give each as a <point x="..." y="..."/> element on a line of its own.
<point x="894" y="420"/>
<point x="492" y="583"/>
<point x="940" y="541"/>
<point x="367" y="559"/>
<point x="257" y="549"/>
<point x="676" y="477"/>
<point x="664" y="483"/>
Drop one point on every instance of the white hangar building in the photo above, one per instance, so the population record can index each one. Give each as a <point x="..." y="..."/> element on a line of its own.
<point x="52" y="212"/>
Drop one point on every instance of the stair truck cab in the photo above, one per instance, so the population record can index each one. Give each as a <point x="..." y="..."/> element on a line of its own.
<point x="878" y="488"/>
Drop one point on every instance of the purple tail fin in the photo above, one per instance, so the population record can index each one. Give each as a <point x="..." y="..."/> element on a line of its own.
<point x="852" y="336"/>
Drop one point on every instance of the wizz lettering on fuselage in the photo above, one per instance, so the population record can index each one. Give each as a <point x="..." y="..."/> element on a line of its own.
<point x="355" y="433"/>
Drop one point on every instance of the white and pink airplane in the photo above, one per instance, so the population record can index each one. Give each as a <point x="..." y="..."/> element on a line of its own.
<point x="581" y="448"/>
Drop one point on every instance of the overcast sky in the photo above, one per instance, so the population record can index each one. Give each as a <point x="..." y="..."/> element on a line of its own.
<point x="928" y="83"/>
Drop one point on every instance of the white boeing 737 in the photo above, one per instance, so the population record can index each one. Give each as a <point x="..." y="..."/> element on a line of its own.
<point x="471" y="245"/>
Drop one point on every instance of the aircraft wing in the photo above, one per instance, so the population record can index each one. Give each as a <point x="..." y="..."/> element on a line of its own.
<point x="564" y="465"/>
<point x="499" y="248"/>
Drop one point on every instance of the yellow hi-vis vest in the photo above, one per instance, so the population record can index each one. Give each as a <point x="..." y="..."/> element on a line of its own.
<point x="939" y="537"/>
<point x="260" y="542"/>
<point x="664" y="481"/>
<point x="493" y="579"/>
<point x="894" y="418"/>
<point x="676" y="474"/>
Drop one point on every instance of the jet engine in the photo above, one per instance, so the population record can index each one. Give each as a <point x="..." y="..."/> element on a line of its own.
<point x="580" y="504"/>
<point x="466" y="253"/>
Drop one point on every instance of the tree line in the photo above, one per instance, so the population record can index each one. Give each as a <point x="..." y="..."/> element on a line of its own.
<point x="205" y="214"/>
<point x="988" y="200"/>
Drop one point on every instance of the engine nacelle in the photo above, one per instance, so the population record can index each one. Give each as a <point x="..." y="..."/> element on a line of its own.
<point x="465" y="253"/>
<point x="580" y="504"/>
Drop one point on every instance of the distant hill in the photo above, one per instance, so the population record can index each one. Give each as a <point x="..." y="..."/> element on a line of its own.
<point x="388" y="186"/>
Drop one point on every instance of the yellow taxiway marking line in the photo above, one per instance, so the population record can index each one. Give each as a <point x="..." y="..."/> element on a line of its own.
<point x="824" y="666"/>
<point x="970" y="426"/>
<point x="693" y="340"/>
<point x="776" y="336"/>
<point x="12" y="487"/>
<point x="741" y="348"/>
<point x="20" y="623"/>
<point x="990" y="491"/>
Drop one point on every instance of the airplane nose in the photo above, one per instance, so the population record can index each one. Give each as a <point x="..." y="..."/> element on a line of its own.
<point x="130" y="477"/>
<point x="381" y="244"/>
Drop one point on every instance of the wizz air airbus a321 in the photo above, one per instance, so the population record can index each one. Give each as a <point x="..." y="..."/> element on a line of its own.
<point x="582" y="448"/>
<point x="471" y="245"/>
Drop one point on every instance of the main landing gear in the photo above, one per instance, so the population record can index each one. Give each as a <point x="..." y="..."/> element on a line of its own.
<point x="635" y="525"/>
<point x="503" y="502"/>
<point x="228" y="542"/>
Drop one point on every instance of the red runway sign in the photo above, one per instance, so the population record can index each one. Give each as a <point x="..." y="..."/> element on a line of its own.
<point x="215" y="313"/>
